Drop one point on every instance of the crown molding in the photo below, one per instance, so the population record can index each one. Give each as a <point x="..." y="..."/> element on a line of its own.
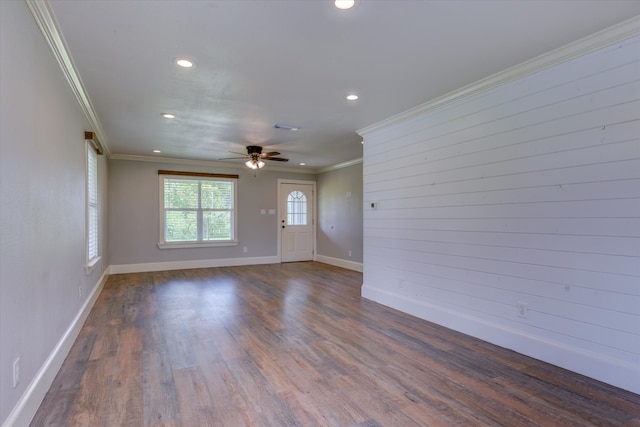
<point x="207" y="163"/>
<point x="227" y="165"/>
<point x="340" y="165"/>
<point x="606" y="37"/>
<point x="45" y="18"/>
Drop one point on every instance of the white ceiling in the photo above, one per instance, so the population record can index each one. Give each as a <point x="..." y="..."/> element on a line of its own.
<point x="262" y="62"/>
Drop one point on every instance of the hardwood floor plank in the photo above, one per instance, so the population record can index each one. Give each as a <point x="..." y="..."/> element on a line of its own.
<point x="91" y="404"/>
<point x="78" y="357"/>
<point x="265" y="404"/>
<point x="433" y="398"/>
<point x="322" y="362"/>
<point x="230" y="409"/>
<point x="106" y="343"/>
<point x="320" y="405"/>
<point x="196" y="404"/>
<point x="225" y="343"/>
<point x="160" y="400"/>
<point x="554" y="409"/>
<point x="55" y="408"/>
<point x="306" y="409"/>
<point x="125" y="406"/>
<point x="160" y="403"/>
<point x="584" y="411"/>
<point x="174" y="423"/>
<point x="372" y="401"/>
<point x="295" y="345"/>
<point x="177" y="319"/>
<point x="369" y="423"/>
<point x="585" y="387"/>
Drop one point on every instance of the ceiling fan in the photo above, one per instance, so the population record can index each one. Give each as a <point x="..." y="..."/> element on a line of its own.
<point x="255" y="157"/>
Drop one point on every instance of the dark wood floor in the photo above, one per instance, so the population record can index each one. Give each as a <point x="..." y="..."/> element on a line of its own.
<point x="294" y="344"/>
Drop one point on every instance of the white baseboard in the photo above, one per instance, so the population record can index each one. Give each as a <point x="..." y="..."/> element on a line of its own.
<point x="30" y="401"/>
<point x="338" y="262"/>
<point x="618" y="373"/>
<point x="184" y="265"/>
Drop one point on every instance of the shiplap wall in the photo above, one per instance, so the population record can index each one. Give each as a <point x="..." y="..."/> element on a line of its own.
<point x="514" y="215"/>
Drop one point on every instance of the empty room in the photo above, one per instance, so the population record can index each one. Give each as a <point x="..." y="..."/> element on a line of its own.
<point x="319" y="213"/>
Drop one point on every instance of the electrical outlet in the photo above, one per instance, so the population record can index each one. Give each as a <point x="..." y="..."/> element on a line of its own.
<point x="244" y="250"/>
<point x="522" y="310"/>
<point x="349" y="253"/>
<point x="16" y="372"/>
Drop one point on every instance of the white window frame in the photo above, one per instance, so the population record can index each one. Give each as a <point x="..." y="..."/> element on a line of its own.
<point x="92" y="208"/>
<point x="296" y="205"/>
<point x="163" y="244"/>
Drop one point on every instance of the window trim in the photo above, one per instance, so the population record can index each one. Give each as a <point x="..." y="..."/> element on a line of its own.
<point x="91" y="155"/>
<point x="199" y="176"/>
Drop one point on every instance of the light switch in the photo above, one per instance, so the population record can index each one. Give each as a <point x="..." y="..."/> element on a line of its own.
<point x="272" y="211"/>
<point x="263" y="211"/>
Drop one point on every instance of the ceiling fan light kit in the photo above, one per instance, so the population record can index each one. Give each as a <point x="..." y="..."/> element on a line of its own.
<point x="254" y="164"/>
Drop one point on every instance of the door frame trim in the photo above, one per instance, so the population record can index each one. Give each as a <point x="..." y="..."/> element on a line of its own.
<point x="314" y="213"/>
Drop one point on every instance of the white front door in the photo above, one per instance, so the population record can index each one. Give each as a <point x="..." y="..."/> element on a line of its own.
<point x="296" y="221"/>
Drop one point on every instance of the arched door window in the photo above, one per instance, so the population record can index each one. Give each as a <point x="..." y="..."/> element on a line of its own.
<point x="297" y="208"/>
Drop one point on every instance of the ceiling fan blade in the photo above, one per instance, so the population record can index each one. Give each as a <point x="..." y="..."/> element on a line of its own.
<point x="254" y="150"/>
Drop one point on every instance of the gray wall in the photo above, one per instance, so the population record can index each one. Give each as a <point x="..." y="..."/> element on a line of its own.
<point x="134" y="213"/>
<point x="42" y="211"/>
<point x="512" y="215"/>
<point x="340" y="216"/>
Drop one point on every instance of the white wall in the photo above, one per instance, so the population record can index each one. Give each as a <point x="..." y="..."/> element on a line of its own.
<point x="525" y="194"/>
<point x="42" y="214"/>
<point x="134" y="218"/>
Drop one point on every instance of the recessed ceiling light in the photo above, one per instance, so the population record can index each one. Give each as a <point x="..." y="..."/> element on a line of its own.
<point x="362" y="142"/>
<point x="168" y="116"/>
<point x="344" y="4"/>
<point x="184" y="62"/>
<point x="352" y="97"/>
<point x="157" y="151"/>
<point x="303" y="164"/>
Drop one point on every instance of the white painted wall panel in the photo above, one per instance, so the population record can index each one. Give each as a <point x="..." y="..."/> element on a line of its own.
<point x="340" y="215"/>
<point x="604" y="66"/>
<point x="526" y="194"/>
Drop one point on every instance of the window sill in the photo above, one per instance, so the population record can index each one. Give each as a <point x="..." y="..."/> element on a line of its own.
<point x="182" y="245"/>
<point x="92" y="264"/>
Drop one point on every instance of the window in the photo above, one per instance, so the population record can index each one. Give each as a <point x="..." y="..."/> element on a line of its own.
<point x="197" y="210"/>
<point x="297" y="208"/>
<point x="92" y="226"/>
